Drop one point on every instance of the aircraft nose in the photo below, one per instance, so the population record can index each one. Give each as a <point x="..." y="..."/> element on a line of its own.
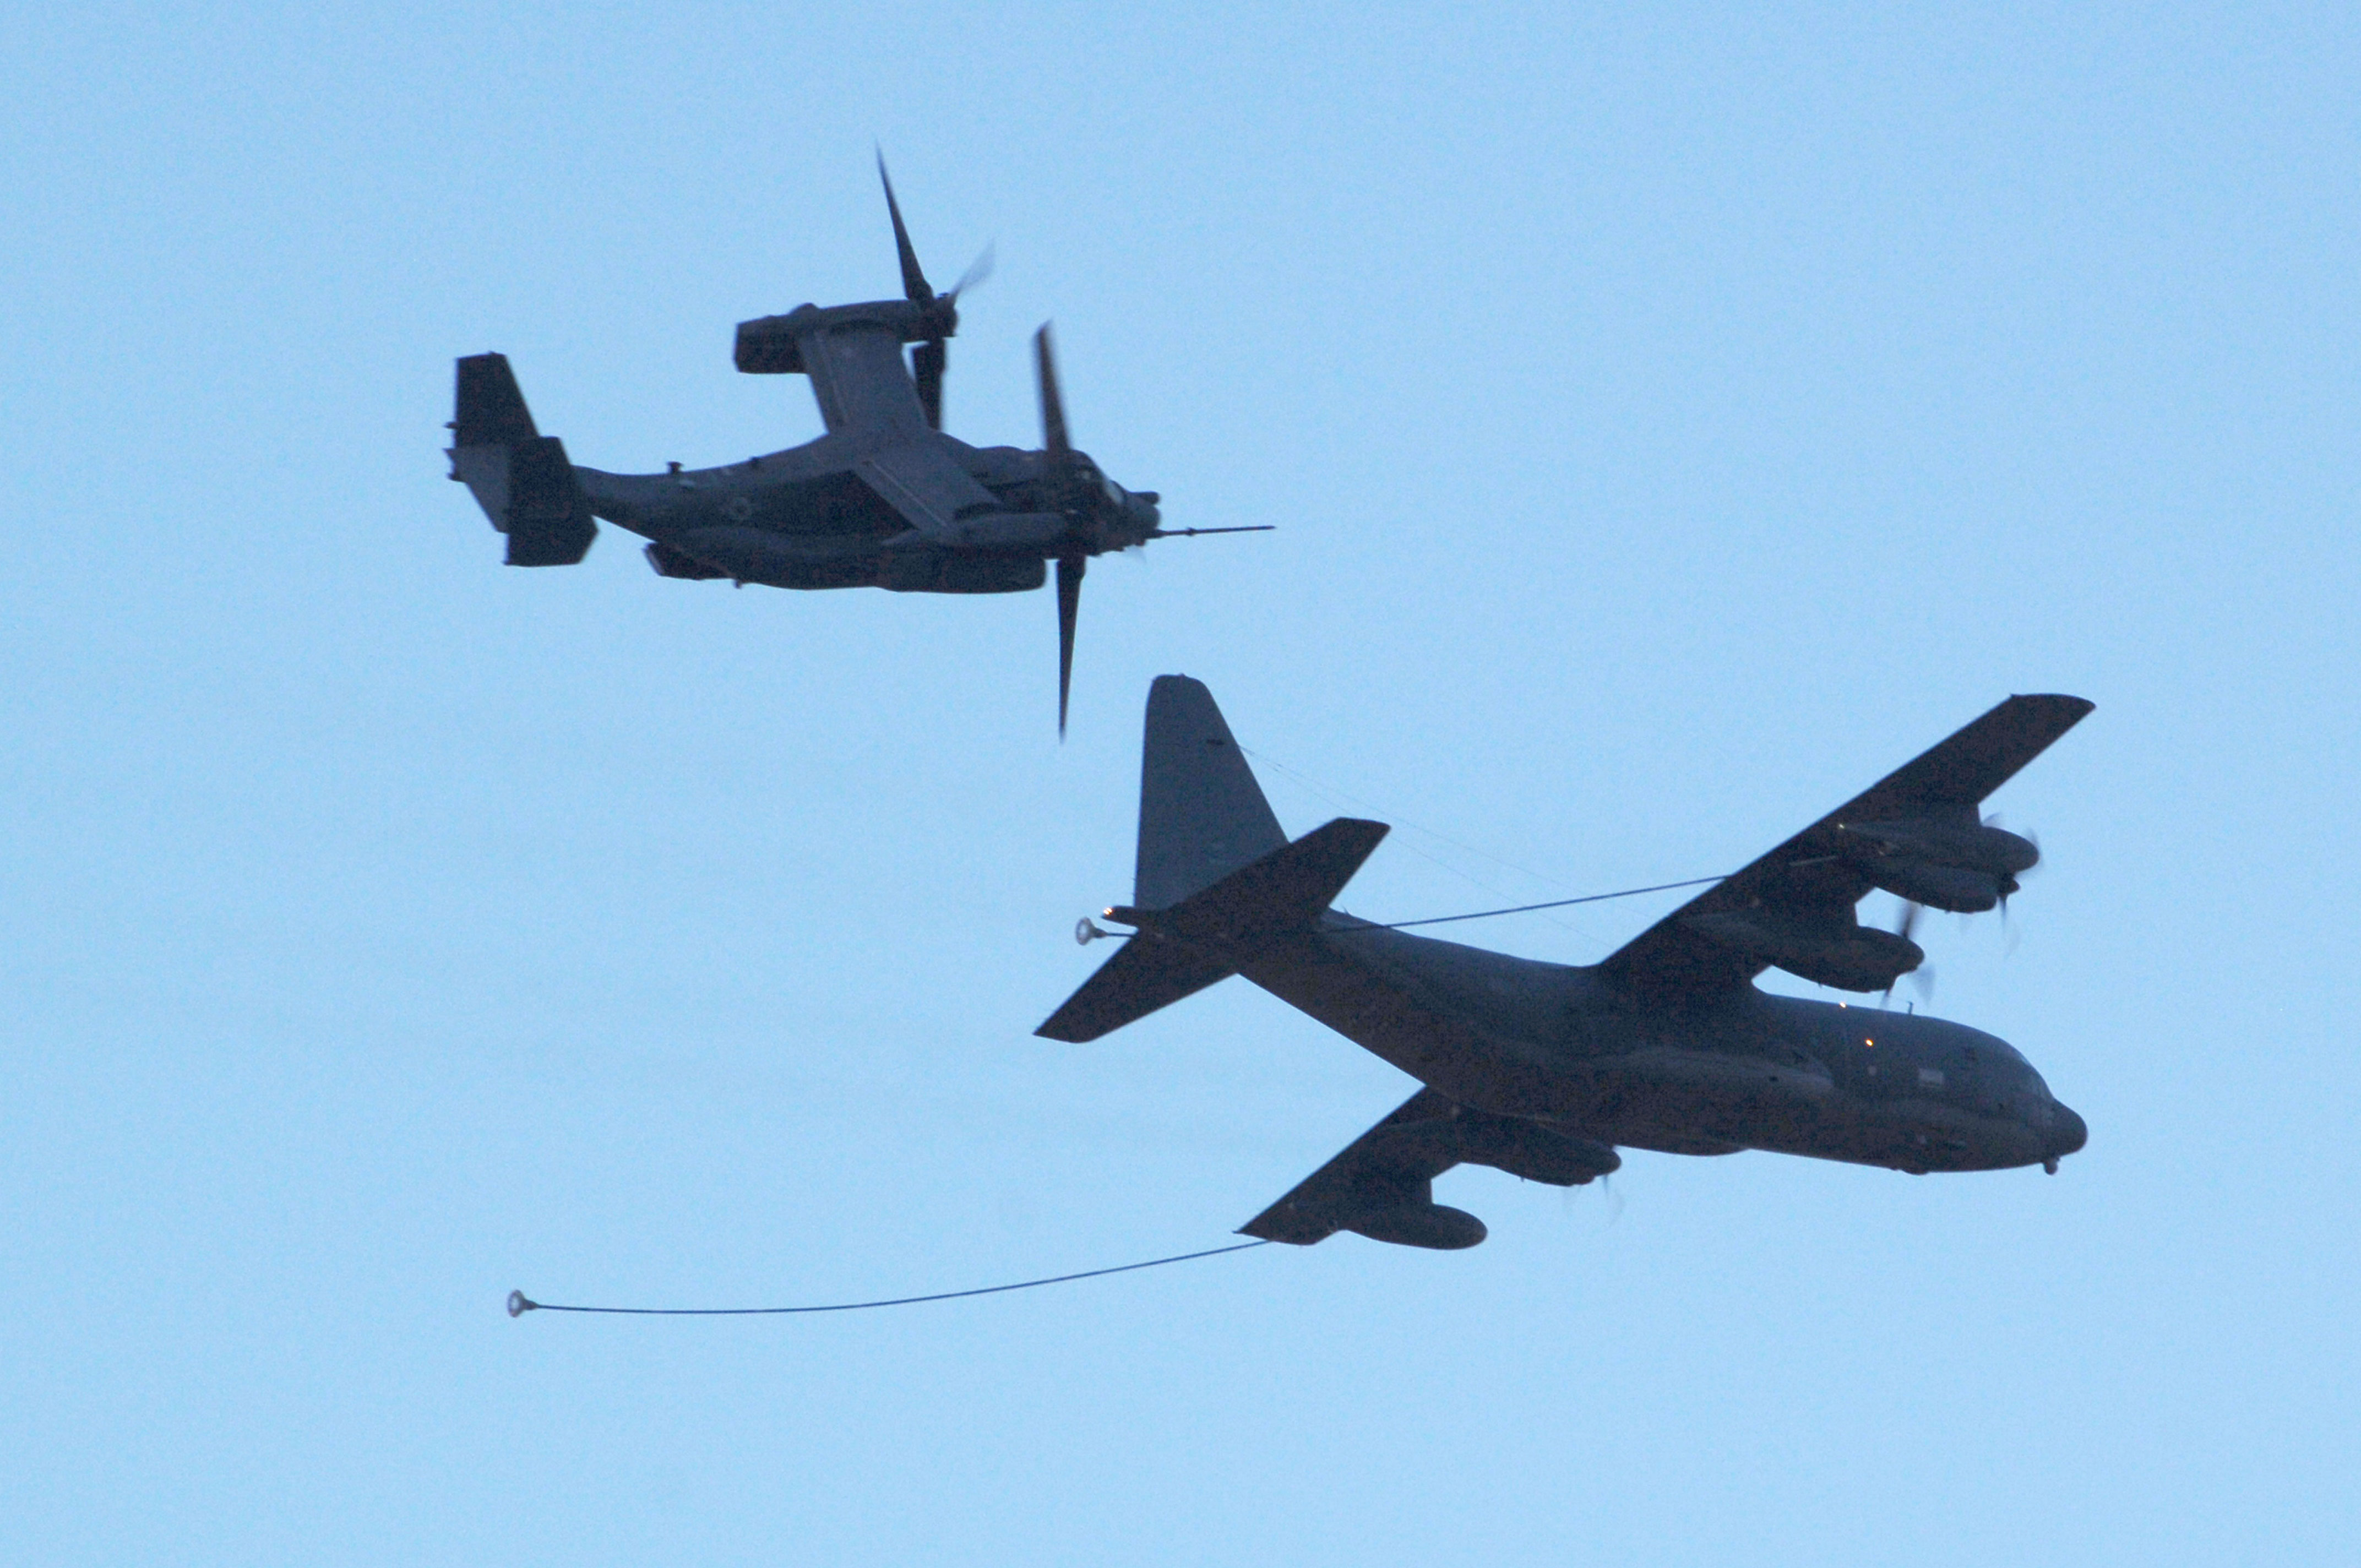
<point x="2067" y="1131"/>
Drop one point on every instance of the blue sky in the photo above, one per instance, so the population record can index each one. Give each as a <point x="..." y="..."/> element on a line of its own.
<point x="1675" y="418"/>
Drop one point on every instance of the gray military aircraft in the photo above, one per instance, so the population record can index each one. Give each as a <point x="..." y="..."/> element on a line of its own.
<point x="1540" y="1069"/>
<point x="884" y="500"/>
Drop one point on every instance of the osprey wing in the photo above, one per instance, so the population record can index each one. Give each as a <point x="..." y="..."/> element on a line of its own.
<point x="921" y="479"/>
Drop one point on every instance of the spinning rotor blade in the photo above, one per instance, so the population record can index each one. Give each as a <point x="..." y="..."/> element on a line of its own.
<point x="1922" y="978"/>
<point x="927" y="362"/>
<point x="930" y="358"/>
<point x="2010" y="884"/>
<point x="977" y="271"/>
<point x="1070" y="603"/>
<point x="914" y="282"/>
<point x="1053" y="408"/>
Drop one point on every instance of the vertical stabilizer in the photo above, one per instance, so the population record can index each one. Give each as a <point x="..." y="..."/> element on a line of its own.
<point x="521" y="478"/>
<point x="1202" y="815"/>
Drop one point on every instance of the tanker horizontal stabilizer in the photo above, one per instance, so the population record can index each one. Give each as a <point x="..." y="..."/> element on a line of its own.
<point x="1178" y="951"/>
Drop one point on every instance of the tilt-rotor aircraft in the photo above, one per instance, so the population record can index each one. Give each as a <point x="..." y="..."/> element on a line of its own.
<point x="1540" y="1069"/>
<point x="885" y="500"/>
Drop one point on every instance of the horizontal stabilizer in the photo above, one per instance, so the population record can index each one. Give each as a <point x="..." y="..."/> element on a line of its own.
<point x="1142" y="977"/>
<point x="521" y="478"/>
<point x="1182" y="950"/>
<point x="1284" y="892"/>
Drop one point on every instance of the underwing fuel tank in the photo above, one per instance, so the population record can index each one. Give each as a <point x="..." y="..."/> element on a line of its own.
<point x="1847" y="955"/>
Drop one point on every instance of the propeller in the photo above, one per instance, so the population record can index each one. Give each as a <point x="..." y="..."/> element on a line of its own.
<point x="1099" y="515"/>
<point x="933" y="356"/>
<point x="1923" y="977"/>
<point x="1070" y="603"/>
<point x="2009" y="885"/>
<point x="1072" y="561"/>
<point x="1053" y="406"/>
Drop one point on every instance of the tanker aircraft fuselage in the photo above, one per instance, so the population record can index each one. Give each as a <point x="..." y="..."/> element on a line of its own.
<point x="1543" y="1070"/>
<point x="1747" y="1069"/>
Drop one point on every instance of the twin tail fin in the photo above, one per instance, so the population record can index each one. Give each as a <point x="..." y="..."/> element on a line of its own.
<point x="521" y="478"/>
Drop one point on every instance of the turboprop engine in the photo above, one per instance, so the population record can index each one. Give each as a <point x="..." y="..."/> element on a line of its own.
<point x="1828" y="948"/>
<point x="1963" y="868"/>
<point x="1524" y="1149"/>
<point x="1384" y="1185"/>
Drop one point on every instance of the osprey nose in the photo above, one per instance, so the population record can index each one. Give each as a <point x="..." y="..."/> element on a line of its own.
<point x="2067" y="1131"/>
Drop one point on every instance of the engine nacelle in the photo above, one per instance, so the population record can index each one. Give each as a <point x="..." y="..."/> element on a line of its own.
<point x="774" y="346"/>
<point x="1953" y="888"/>
<point x="1437" y="1226"/>
<point x="1524" y="1149"/>
<point x="1963" y="867"/>
<point x="1848" y="956"/>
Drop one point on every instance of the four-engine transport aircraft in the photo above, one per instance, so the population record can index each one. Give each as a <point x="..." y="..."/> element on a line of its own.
<point x="1539" y="1069"/>
<point x="885" y="500"/>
